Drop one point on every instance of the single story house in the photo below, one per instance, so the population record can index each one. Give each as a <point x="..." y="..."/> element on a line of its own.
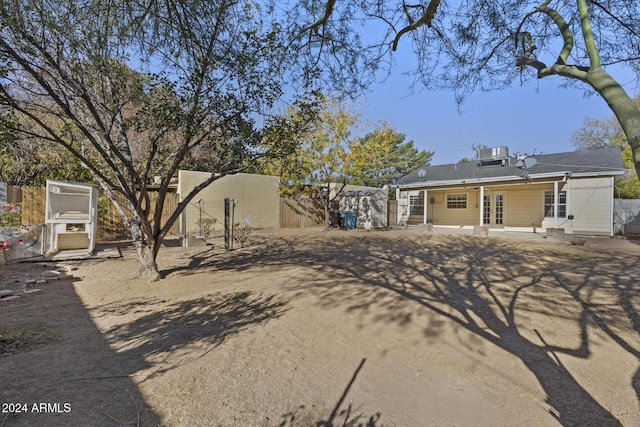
<point x="573" y="191"/>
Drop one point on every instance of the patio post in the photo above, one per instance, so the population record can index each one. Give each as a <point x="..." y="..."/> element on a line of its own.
<point x="424" y="215"/>
<point x="555" y="202"/>
<point x="481" y="204"/>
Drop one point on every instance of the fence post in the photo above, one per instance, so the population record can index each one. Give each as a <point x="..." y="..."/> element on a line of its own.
<point x="228" y="224"/>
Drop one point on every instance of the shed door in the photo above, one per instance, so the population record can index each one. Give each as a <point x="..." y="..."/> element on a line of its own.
<point x="493" y="209"/>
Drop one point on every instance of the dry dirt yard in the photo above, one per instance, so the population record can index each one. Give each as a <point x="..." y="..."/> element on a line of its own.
<point x="312" y="328"/>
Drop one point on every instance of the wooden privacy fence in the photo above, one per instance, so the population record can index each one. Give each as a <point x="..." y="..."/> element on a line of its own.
<point x="300" y="213"/>
<point x="392" y="213"/>
<point x="33" y="200"/>
<point x="308" y="212"/>
<point x="294" y="213"/>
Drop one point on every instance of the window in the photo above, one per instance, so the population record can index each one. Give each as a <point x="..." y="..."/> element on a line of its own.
<point x="549" y="205"/>
<point x="457" y="201"/>
<point x="416" y="204"/>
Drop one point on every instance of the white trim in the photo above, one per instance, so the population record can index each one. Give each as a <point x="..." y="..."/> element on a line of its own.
<point x="555" y="200"/>
<point x="590" y="174"/>
<point x="455" y="227"/>
<point x="613" y="191"/>
<point x="424" y="211"/>
<point x="556" y="197"/>
<point x="479" y="181"/>
<point x="521" y="229"/>
<point x="481" y="205"/>
<point x="466" y="201"/>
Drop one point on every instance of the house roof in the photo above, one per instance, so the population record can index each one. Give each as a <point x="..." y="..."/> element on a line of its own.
<point x="606" y="161"/>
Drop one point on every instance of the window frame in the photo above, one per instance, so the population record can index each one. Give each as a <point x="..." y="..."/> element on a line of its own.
<point x="450" y="201"/>
<point x="562" y="207"/>
<point x="412" y="205"/>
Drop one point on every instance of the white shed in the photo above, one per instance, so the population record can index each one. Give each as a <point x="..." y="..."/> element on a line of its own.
<point x="370" y="207"/>
<point x="72" y="215"/>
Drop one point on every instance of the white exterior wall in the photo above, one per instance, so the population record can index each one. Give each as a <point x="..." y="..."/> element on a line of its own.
<point x="590" y="201"/>
<point x="591" y="204"/>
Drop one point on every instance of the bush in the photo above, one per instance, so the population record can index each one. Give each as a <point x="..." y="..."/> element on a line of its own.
<point x="10" y="215"/>
<point x="241" y="233"/>
<point x="208" y="226"/>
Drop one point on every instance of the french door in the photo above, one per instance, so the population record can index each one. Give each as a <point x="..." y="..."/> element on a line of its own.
<point x="493" y="209"/>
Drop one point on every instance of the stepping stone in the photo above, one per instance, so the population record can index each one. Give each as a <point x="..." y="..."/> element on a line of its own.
<point x="5" y="293"/>
<point x="51" y="274"/>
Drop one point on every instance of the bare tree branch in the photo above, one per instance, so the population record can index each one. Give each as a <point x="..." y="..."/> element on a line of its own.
<point x="425" y="19"/>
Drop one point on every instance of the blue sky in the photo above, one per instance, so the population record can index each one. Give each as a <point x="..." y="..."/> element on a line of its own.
<point x="538" y="115"/>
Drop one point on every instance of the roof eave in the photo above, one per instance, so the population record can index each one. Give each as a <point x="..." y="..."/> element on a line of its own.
<point x="478" y="181"/>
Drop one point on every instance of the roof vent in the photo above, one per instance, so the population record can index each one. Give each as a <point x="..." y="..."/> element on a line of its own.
<point x="493" y="154"/>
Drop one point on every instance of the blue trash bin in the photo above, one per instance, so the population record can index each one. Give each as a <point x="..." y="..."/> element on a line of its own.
<point x="349" y="220"/>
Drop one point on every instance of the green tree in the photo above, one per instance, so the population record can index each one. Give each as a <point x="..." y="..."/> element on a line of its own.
<point x="329" y="156"/>
<point x="26" y="161"/>
<point x="135" y="88"/>
<point x="382" y="157"/>
<point x="321" y="164"/>
<point x="474" y="45"/>
<point x="596" y="133"/>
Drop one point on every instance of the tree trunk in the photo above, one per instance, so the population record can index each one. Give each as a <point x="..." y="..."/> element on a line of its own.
<point x="327" y="217"/>
<point x="624" y="108"/>
<point x="148" y="268"/>
<point x="146" y="256"/>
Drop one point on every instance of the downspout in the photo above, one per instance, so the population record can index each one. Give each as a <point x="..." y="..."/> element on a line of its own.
<point x="612" y="230"/>
<point x="398" y="206"/>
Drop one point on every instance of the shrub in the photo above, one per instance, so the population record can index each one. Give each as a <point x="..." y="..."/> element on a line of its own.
<point x="10" y="215"/>
<point x="241" y="233"/>
<point x="208" y="226"/>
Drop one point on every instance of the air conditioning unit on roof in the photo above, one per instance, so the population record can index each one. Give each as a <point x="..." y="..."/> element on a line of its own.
<point x="494" y="153"/>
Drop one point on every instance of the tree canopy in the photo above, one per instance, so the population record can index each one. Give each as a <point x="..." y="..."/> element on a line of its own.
<point x="132" y="90"/>
<point x="596" y="133"/>
<point x="382" y="157"/>
<point x="478" y="45"/>
<point x="329" y="155"/>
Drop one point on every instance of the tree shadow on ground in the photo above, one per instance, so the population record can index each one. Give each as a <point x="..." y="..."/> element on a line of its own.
<point x="488" y="287"/>
<point x="170" y="334"/>
<point x="75" y="374"/>
<point x="339" y="416"/>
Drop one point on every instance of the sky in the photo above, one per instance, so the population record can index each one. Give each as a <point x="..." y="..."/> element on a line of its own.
<point x="536" y="117"/>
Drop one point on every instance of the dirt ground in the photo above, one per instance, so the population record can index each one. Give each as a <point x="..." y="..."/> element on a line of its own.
<point x="312" y="328"/>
